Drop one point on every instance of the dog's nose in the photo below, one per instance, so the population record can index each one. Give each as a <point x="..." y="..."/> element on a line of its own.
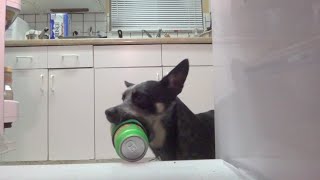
<point x="111" y="114"/>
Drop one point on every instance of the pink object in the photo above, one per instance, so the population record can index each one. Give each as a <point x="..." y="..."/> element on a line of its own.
<point x="16" y="6"/>
<point x="11" y="109"/>
<point x="2" y="24"/>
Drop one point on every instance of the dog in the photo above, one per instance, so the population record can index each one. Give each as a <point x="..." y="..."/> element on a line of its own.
<point x="174" y="132"/>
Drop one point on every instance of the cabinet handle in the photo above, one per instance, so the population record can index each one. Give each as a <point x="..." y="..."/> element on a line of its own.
<point x="24" y="57"/>
<point x="158" y="76"/>
<point x="42" y="83"/>
<point x="52" y="83"/>
<point x="70" y="55"/>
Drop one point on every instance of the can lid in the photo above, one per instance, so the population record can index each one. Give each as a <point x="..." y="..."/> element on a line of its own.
<point x="114" y="128"/>
<point x="133" y="148"/>
<point x="130" y="140"/>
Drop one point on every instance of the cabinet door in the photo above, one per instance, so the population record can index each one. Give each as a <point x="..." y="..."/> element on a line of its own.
<point x="198" y="90"/>
<point x="29" y="132"/>
<point x="127" y="56"/>
<point x="198" y="54"/>
<point x="71" y="114"/>
<point x="109" y="86"/>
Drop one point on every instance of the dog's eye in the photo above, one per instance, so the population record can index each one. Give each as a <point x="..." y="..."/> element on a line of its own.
<point x="123" y="97"/>
<point x="138" y="97"/>
<point x="141" y="100"/>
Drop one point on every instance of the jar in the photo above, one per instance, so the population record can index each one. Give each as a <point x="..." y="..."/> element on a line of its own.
<point x="8" y="92"/>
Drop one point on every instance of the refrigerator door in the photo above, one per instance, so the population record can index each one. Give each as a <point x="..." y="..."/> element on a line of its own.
<point x="267" y="100"/>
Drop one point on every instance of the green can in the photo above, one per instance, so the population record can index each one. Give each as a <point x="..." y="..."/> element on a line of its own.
<point x="130" y="140"/>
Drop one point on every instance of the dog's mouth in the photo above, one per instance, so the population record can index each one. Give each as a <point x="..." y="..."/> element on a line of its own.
<point x="116" y="117"/>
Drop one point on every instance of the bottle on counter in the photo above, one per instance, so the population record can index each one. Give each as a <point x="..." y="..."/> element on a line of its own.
<point x="8" y="92"/>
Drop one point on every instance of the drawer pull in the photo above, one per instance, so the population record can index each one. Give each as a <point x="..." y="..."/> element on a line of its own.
<point x="42" y="83"/>
<point x="70" y="55"/>
<point x="52" y="83"/>
<point x="24" y="57"/>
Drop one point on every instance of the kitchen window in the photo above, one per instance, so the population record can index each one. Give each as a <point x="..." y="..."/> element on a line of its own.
<point x="137" y="15"/>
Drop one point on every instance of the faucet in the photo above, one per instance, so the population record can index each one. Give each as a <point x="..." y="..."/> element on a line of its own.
<point x="43" y="34"/>
<point x="159" y="33"/>
<point x="90" y="33"/>
<point x="148" y="34"/>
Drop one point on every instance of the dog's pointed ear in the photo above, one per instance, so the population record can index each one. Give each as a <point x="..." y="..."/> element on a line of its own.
<point x="128" y="84"/>
<point x="174" y="81"/>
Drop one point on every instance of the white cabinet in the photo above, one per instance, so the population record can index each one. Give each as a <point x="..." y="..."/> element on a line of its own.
<point x="62" y="110"/>
<point x="109" y="86"/>
<point x="30" y="131"/>
<point x="71" y="114"/>
<point x="198" y="54"/>
<point x="127" y="56"/>
<point x="198" y="89"/>
<point x="26" y="57"/>
<point x="70" y="56"/>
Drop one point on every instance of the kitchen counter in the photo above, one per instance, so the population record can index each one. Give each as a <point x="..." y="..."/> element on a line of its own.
<point x="99" y="42"/>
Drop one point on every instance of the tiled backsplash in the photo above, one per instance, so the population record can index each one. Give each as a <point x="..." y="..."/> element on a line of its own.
<point x="98" y="21"/>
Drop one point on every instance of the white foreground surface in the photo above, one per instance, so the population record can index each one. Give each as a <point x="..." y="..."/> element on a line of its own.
<point x="184" y="170"/>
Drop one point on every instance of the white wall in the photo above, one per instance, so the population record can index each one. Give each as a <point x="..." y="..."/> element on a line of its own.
<point x="81" y="22"/>
<point x="267" y="97"/>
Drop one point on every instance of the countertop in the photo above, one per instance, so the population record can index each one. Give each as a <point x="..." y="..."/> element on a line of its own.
<point x="100" y="42"/>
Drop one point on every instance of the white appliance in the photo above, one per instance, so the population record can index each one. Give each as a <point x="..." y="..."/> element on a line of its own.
<point x="18" y="30"/>
<point x="8" y="109"/>
<point x="267" y="101"/>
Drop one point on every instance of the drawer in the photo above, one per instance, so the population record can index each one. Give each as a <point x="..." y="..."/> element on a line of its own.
<point x="127" y="56"/>
<point x="70" y="56"/>
<point x="26" y="57"/>
<point x="198" y="54"/>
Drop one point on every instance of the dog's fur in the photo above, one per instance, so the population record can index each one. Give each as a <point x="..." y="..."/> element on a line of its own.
<point x="174" y="132"/>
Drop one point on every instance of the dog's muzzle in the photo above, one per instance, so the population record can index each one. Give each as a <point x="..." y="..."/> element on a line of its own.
<point x="112" y="115"/>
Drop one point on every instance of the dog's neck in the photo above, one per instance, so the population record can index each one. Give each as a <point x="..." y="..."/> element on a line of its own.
<point x="187" y="136"/>
<point x="176" y="124"/>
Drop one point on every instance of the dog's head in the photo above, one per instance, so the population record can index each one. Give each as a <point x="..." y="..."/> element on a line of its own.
<point x="149" y="101"/>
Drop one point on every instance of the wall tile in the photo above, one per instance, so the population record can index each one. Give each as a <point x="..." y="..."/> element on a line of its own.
<point x="77" y="26"/>
<point x="32" y="25"/>
<point x="87" y="25"/>
<point x="77" y="17"/>
<point x="40" y="25"/>
<point x="42" y="18"/>
<point x="101" y="17"/>
<point x="30" y="18"/>
<point x="89" y="17"/>
<point x="101" y="26"/>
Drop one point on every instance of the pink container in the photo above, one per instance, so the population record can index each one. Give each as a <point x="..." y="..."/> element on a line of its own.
<point x="11" y="7"/>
